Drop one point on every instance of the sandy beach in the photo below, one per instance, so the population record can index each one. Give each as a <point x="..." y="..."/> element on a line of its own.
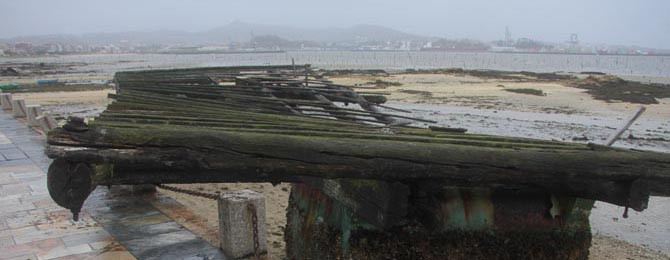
<point x="482" y="106"/>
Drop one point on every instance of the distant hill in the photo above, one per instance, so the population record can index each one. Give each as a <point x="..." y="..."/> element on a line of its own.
<point x="233" y="32"/>
<point x="242" y="32"/>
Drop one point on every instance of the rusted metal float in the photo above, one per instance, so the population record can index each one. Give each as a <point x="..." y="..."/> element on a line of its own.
<point x="368" y="185"/>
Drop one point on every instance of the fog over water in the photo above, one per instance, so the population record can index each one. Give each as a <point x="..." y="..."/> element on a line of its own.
<point x="641" y="68"/>
<point x="642" y="23"/>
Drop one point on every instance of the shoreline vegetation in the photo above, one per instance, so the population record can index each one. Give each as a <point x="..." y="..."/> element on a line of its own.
<point x="527" y="91"/>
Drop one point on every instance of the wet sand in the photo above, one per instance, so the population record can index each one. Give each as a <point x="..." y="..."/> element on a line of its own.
<point x="481" y="106"/>
<point x="65" y="104"/>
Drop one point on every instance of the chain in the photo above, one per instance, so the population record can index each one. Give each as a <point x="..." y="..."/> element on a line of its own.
<point x="254" y="224"/>
<point x="189" y="192"/>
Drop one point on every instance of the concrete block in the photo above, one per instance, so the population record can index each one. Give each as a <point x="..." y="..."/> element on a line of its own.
<point x="235" y="223"/>
<point x="32" y="112"/>
<point x="19" y="108"/>
<point x="46" y="122"/>
<point x="6" y="101"/>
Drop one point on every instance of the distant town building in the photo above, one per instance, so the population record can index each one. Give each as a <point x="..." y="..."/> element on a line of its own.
<point x="508" y="37"/>
<point x="574" y="39"/>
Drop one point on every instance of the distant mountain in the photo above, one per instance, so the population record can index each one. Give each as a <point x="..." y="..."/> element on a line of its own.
<point x="242" y="32"/>
<point x="233" y="32"/>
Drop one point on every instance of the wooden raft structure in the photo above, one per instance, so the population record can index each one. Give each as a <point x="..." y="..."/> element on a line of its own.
<point x="368" y="183"/>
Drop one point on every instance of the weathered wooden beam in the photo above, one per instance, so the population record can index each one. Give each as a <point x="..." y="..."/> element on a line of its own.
<point x="607" y="175"/>
<point x="623" y="128"/>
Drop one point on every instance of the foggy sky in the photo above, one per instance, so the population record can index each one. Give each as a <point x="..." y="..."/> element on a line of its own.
<point x="641" y="22"/>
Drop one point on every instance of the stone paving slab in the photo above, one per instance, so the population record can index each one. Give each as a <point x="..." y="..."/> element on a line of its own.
<point x="127" y="233"/>
<point x="113" y="223"/>
<point x="141" y="225"/>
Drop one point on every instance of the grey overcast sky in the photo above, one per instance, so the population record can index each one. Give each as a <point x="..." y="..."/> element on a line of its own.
<point x="629" y="22"/>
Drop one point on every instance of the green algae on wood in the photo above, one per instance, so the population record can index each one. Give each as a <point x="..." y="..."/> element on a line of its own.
<point x="317" y="229"/>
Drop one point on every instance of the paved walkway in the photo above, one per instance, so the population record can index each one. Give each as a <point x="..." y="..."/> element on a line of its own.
<point x="112" y="225"/>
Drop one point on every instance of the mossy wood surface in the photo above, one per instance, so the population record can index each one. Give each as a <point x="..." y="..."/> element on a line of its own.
<point x="282" y="123"/>
<point x="255" y="153"/>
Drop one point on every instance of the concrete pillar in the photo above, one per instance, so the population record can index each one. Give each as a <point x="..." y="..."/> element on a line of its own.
<point x="236" y="226"/>
<point x="32" y="112"/>
<point x="19" y="108"/>
<point x="46" y="122"/>
<point x="6" y="101"/>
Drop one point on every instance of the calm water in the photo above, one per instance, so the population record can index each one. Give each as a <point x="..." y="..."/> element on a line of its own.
<point x="633" y="66"/>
